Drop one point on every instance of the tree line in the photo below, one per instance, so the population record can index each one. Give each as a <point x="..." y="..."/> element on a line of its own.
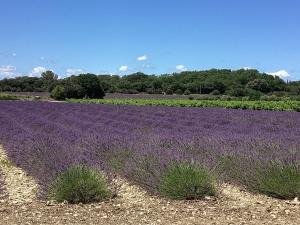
<point x="236" y="83"/>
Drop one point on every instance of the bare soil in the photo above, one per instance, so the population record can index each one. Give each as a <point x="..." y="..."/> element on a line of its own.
<point x="135" y="206"/>
<point x="19" y="186"/>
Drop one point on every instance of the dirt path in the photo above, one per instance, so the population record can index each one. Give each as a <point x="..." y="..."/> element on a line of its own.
<point x="135" y="206"/>
<point x="3" y="194"/>
<point x="20" y="187"/>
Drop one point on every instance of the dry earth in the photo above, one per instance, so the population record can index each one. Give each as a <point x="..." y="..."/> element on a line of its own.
<point x="134" y="206"/>
<point x="20" y="187"/>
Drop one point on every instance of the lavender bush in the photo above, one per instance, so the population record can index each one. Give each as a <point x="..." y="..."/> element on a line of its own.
<point x="79" y="184"/>
<point x="187" y="182"/>
<point x="140" y="142"/>
<point x="278" y="180"/>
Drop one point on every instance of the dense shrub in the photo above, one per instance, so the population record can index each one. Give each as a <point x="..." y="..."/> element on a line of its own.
<point x="58" y="93"/>
<point x="84" y="85"/>
<point x="278" y="180"/>
<point x="187" y="92"/>
<point x="169" y="92"/>
<point x="185" y="181"/>
<point x="77" y="87"/>
<point x="90" y="85"/>
<point x="259" y="85"/>
<point x="79" y="184"/>
<point x="274" y="179"/>
<point x="178" y="92"/>
<point x="237" y="92"/>
<point x="253" y="95"/>
<point x="73" y="90"/>
<point x="215" y="92"/>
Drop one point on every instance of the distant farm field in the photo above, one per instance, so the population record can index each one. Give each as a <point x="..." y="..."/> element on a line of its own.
<point x="231" y="104"/>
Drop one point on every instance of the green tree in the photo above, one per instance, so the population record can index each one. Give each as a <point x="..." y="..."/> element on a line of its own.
<point x="58" y="93"/>
<point x="49" y="79"/>
<point x="49" y="75"/>
<point x="259" y="85"/>
<point x="84" y="85"/>
<point x="73" y="90"/>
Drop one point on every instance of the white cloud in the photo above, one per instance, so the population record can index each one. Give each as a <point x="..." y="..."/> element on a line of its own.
<point x="14" y="54"/>
<point x="8" y="71"/>
<point x="37" y="71"/>
<point x="123" y="68"/>
<point x="247" y="68"/>
<point x="280" y="73"/>
<point x="181" y="68"/>
<point x="8" y="68"/>
<point x="42" y="58"/>
<point x="74" y="71"/>
<point x="142" y="58"/>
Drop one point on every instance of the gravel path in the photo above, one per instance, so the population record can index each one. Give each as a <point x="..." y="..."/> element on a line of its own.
<point x="2" y="187"/>
<point x="135" y="206"/>
<point x="20" y="187"/>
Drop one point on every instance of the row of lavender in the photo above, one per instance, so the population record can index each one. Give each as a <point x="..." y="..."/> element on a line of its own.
<point x="140" y="142"/>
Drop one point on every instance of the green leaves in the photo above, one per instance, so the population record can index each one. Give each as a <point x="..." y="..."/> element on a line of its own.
<point x="279" y="181"/>
<point x="58" y="93"/>
<point x="233" y="104"/>
<point x="186" y="181"/>
<point x="79" y="184"/>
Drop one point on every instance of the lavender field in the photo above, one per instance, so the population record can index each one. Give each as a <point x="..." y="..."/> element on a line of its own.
<point x="140" y="142"/>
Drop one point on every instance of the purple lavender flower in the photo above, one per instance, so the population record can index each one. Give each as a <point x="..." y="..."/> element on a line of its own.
<point x="140" y="142"/>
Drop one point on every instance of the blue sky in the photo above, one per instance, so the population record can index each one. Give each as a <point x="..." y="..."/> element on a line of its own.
<point x="154" y="36"/>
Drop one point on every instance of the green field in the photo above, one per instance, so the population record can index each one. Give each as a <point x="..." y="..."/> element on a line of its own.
<point x="233" y="104"/>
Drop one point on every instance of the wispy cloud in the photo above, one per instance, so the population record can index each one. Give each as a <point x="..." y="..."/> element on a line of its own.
<point x="37" y="71"/>
<point x="280" y="73"/>
<point x="74" y="71"/>
<point x="142" y="58"/>
<point x="247" y="68"/>
<point x="8" y="71"/>
<point x="181" y="68"/>
<point x="123" y="69"/>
